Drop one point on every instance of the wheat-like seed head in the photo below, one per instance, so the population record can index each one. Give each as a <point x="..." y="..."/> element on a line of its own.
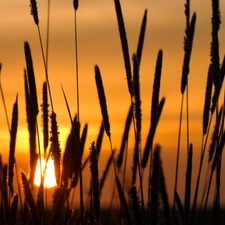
<point x="55" y="147"/>
<point x="34" y="11"/>
<point x="45" y="106"/>
<point x="102" y="100"/>
<point x="75" y="4"/>
<point x="95" y="181"/>
<point x="31" y="79"/>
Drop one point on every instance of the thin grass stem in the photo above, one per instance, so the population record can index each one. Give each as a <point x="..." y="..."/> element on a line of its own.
<point x="178" y="156"/>
<point x="45" y="68"/>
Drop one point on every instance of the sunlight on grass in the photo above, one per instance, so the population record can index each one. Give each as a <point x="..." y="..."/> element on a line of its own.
<point x="49" y="180"/>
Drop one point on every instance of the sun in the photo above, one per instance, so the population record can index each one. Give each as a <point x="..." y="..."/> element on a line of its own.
<point x="50" y="180"/>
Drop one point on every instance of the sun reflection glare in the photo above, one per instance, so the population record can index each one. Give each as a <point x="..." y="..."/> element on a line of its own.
<point x="49" y="180"/>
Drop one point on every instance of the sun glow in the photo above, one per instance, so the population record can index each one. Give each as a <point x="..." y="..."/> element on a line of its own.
<point x="49" y="180"/>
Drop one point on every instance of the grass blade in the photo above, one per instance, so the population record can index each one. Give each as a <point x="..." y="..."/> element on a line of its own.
<point x="137" y="106"/>
<point x="31" y="78"/>
<point x="179" y="206"/>
<point x="67" y="105"/>
<point x="218" y="88"/>
<point x="188" y="42"/>
<point x="154" y="109"/>
<point x="123" y="202"/>
<point x="125" y="137"/>
<point x="102" y="100"/>
<point x="106" y="171"/>
<point x="31" y="122"/>
<point x="13" y="132"/>
<point x="208" y="96"/>
<point x="3" y="99"/>
<point x="141" y="38"/>
<point x="83" y="140"/>
<point x="29" y="199"/>
<point x="214" y="140"/>
<point x="123" y="38"/>
<point x="98" y="144"/>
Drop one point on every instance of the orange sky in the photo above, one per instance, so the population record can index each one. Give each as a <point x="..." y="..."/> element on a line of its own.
<point x="99" y="43"/>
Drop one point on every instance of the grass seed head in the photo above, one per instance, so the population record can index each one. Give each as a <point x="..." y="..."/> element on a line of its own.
<point x="34" y="11"/>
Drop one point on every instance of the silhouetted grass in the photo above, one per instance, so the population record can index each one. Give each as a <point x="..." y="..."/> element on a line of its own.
<point x="135" y="206"/>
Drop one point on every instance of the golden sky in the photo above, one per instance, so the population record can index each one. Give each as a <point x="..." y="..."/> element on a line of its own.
<point x="99" y="43"/>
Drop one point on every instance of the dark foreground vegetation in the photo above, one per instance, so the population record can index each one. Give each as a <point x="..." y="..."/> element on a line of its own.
<point x="136" y="206"/>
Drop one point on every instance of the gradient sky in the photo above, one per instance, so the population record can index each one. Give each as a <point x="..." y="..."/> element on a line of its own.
<point x="99" y="43"/>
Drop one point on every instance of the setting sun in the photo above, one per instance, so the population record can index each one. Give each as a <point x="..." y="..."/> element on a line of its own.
<point x="49" y="180"/>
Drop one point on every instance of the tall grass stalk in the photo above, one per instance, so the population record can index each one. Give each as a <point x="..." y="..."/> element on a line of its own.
<point x="188" y="42"/>
<point x="154" y="109"/>
<point x="13" y="134"/>
<point x="30" y="200"/>
<point x="34" y="13"/>
<point x="3" y="99"/>
<point x="47" y="32"/>
<point x="188" y="186"/>
<point x="75" y="5"/>
<point x="7" y="120"/>
<point x="95" y="182"/>
<point x="124" y="45"/>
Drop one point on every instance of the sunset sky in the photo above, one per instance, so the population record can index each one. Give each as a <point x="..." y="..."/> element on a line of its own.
<point x="99" y="43"/>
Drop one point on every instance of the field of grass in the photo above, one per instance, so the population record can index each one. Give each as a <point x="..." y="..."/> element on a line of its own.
<point x="141" y="193"/>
